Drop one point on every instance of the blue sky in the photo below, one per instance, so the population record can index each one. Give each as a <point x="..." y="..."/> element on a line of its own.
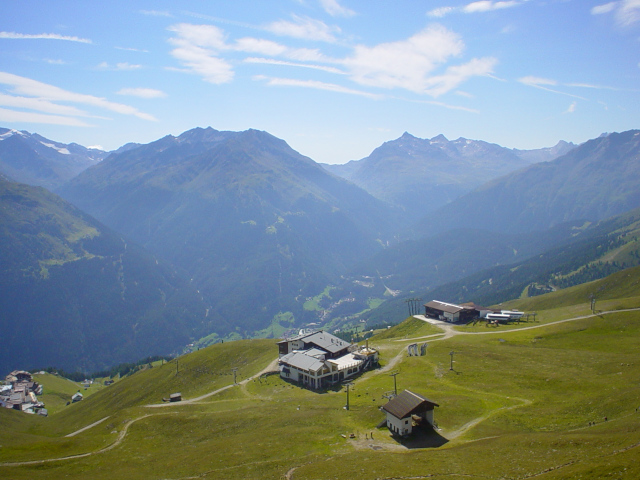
<point x="334" y="78"/>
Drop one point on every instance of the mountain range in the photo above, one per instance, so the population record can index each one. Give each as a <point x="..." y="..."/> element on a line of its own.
<point x="255" y="225"/>
<point x="262" y="239"/>
<point x="421" y="175"/>
<point x="594" y="181"/>
<point x="32" y="159"/>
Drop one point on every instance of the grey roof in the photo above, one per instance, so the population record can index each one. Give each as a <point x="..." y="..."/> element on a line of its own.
<point x="326" y="341"/>
<point x="408" y="403"/>
<point x="302" y="361"/>
<point x="314" y="352"/>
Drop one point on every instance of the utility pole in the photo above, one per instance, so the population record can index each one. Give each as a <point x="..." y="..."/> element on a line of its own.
<point x="451" y="365"/>
<point x="177" y="367"/>
<point x="235" y="371"/>
<point x="348" y="385"/>
<point x="593" y="303"/>
<point x="395" y="385"/>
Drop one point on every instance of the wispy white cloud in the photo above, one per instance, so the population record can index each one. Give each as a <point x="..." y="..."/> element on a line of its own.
<point x="476" y="7"/>
<point x="52" y="61"/>
<point x="42" y="36"/>
<point x="292" y="82"/>
<point x="462" y="93"/>
<point x="40" y="105"/>
<point x="50" y="93"/>
<point x="546" y="84"/>
<point x="131" y="49"/>
<point x="118" y="66"/>
<point x="441" y="11"/>
<point x="11" y="116"/>
<point x="447" y="106"/>
<point x="142" y="92"/>
<point x="201" y="48"/>
<point x="273" y="61"/>
<point x="537" y="81"/>
<point x="457" y="74"/>
<point x="156" y="13"/>
<point x="571" y="108"/>
<point x="626" y="12"/>
<point x="409" y="64"/>
<point x="333" y="8"/>
<point x="261" y="46"/>
<point x="606" y="8"/>
<point x="304" y="28"/>
<point x="588" y="85"/>
<point x="489" y="5"/>
<point x="406" y="63"/>
<point x="197" y="48"/>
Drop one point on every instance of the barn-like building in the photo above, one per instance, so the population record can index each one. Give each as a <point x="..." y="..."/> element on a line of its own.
<point x="407" y="411"/>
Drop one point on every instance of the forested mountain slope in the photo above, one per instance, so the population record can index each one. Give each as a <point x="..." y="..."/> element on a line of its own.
<point x="76" y="295"/>
<point x="256" y="225"/>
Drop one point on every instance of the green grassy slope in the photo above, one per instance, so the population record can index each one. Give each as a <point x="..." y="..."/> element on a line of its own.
<point x="518" y="404"/>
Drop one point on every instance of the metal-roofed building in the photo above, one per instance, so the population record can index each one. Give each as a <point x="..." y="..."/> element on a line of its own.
<point x="449" y="312"/>
<point x="330" y="344"/>
<point x="407" y="410"/>
<point x="319" y="359"/>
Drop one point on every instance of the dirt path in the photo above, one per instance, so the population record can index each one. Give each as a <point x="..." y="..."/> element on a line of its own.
<point x="271" y="367"/>
<point x="117" y="442"/>
<point x="87" y="427"/>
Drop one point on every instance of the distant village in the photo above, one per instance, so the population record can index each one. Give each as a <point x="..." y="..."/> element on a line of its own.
<point x="20" y="393"/>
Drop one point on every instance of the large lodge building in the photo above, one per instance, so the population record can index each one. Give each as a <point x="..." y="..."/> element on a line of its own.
<point x="318" y="360"/>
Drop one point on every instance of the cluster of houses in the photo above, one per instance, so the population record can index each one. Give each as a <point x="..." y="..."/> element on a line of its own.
<point x="20" y="392"/>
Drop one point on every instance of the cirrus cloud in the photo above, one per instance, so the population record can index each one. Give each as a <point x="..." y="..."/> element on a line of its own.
<point x="32" y="94"/>
<point x="42" y="36"/>
<point x="142" y="92"/>
<point x="480" y="6"/>
<point x="333" y="8"/>
<point x="304" y="28"/>
<point x="626" y="12"/>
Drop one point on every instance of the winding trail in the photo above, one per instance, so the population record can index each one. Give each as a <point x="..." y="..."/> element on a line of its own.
<point x="87" y="427"/>
<point x="269" y="368"/>
<point x="273" y="366"/>
<point x="117" y="442"/>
